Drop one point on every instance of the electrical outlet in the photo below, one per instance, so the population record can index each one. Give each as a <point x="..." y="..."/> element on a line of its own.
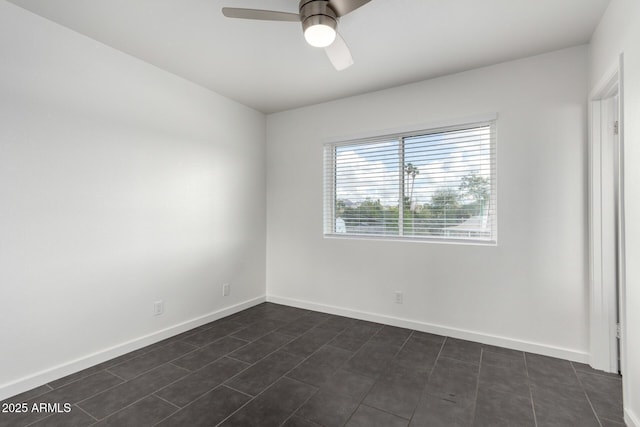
<point x="158" y="308"/>
<point x="399" y="297"/>
<point x="226" y="289"/>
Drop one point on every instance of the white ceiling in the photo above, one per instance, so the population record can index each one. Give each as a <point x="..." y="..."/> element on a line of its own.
<point x="268" y="65"/>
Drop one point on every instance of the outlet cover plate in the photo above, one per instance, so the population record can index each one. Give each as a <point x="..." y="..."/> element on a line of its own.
<point x="158" y="308"/>
<point x="399" y="297"/>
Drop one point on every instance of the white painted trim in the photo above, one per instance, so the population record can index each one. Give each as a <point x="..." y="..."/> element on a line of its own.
<point x="626" y="391"/>
<point x="602" y="343"/>
<point x="595" y="246"/>
<point x="631" y="419"/>
<point x="531" y="347"/>
<point x="608" y="83"/>
<point x="411" y="239"/>
<point x="43" y="377"/>
<point x="611" y="82"/>
<point x="459" y="121"/>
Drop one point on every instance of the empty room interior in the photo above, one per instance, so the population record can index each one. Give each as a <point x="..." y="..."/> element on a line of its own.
<point x="320" y="213"/>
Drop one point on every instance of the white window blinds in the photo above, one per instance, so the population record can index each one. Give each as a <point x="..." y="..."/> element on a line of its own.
<point x="432" y="184"/>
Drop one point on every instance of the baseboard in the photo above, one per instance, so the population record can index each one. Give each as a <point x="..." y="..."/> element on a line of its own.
<point x="531" y="347"/>
<point x="60" y="371"/>
<point x="631" y="419"/>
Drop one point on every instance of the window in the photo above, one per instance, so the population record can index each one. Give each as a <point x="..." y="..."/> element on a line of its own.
<point x="436" y="184"/>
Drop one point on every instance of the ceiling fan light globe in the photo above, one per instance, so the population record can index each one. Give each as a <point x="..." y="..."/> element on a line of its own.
<point x="320" y="35"/>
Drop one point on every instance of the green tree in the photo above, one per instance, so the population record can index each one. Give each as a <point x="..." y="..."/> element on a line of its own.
<point x="475" y="188"/>
<point x="370" y="210"/>
<point x="340" y="207"/>
<point x="445" y="207"/>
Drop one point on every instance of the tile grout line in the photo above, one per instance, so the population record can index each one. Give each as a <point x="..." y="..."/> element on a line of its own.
<point x="73" y="404"/>
<point x="249" y="365"/>
<point x="195" y="400"/>
<point x="360" y="402"/>
<point x="124" y="380"/>
<point x="262" y="392"/>
<point x="263" y="357"/>
<point x="77" y="379"/>
<point x="152" y="394"/>
<point x="118" y="411"/>
<point x="359" y="348"/>
<point x="86" y="413"/>
<point x="314" y="390"/>
<point x="533" y="406"/>
<point x="227" y="386"/>
<point x="170" y="362"/>
<point x="96" y="393"/>
<point x="165" y="400"/>
<point x="228" y="356"/>
<point x="207" y="345"/>
<point x="201" y="328"/>
<point x="298" y="408"/>
<point x="318" y="389"/>
<point x="223" y="383"/>
<point x="293" y="338"/>
<point x="39" y="419"/>
<point x="586" y="394"/>
<point x="383" y="410"/>
<point x="143" y="397"/>
<point x="157" y="366"/>
<point x="180" y="367"/>
<point x="144" y="353"/>
<point x="475" y="399"/>
<point x="276" y="380"/>
<point x="424" y="390"/>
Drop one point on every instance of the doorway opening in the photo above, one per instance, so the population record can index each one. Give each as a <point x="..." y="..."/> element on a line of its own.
<point x="606" y="224"/>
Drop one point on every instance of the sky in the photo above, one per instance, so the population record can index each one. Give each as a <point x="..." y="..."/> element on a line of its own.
<point x="372" y="169"/>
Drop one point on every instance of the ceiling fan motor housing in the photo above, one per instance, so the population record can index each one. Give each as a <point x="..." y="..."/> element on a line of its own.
<point x="317" y="12"/>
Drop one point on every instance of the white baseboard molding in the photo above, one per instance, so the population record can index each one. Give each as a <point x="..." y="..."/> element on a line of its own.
<point x="631" y="419"/>
<point x="43" y="377"/>
<point x="515" y="344"/>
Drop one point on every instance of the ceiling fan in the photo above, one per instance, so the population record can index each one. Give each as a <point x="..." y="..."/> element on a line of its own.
<point x="319" y="20"/>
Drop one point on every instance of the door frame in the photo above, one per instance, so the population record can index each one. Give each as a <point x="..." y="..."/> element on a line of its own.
<point x="607" y="304"/>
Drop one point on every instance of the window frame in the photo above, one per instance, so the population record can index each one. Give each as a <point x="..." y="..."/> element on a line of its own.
<point x="330" y="181"/>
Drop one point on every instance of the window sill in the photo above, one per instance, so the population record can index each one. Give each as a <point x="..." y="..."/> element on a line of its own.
<point x="413" y="239"/>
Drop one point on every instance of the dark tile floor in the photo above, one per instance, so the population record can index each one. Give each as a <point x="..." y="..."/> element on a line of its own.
<point x="273" y="365"/>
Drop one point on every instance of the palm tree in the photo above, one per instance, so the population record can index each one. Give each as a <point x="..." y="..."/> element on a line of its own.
<point x="411" y="172"/>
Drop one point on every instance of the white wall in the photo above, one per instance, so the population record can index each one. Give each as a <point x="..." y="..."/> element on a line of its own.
<point x="619" y="32"/>
<point x="120" y="184"/>
<point x="528" y="292"/>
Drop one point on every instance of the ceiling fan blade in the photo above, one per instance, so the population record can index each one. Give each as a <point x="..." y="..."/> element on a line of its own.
<point x="262" y="15"/>
<point x="339" y="54"/>
<point x="342" y="7"/>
